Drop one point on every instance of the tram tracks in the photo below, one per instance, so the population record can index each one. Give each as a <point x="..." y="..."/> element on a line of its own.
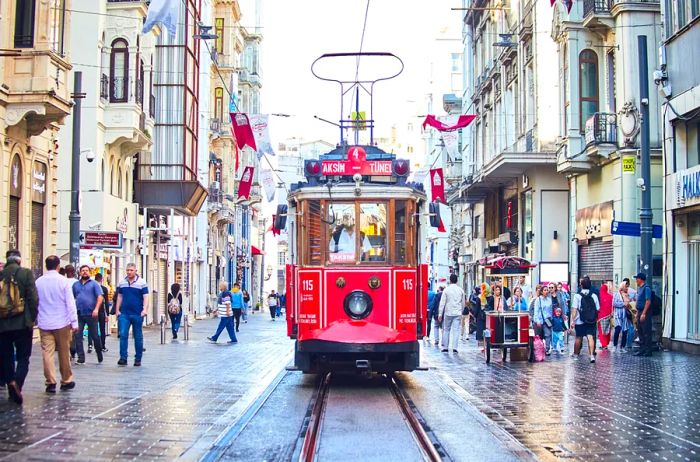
<point x="311" y="433"/>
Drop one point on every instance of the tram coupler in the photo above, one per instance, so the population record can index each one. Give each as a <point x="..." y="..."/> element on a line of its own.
<point x="363" y="365"/>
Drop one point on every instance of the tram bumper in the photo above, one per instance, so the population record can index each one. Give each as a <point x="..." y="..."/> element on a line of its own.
<point x="322" y="355"/>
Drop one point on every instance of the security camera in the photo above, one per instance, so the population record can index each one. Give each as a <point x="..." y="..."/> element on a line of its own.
<point x="90" y="155"/>
<point x="50" y="157"/>
<point x="640" y="184"/>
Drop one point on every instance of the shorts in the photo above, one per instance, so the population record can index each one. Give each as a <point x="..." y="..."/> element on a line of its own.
<point x="582" y="330"/>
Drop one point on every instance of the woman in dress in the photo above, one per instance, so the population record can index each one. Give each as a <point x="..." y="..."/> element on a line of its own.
<point x="604" y="316"/>
<point x="621" y="303"/>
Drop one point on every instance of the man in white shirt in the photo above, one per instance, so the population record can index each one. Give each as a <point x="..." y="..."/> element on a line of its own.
<point x="450" y="313"/>
<point x="527" y="290"/>
<point x="57" y="321"/>
<point x="585" y="324"/>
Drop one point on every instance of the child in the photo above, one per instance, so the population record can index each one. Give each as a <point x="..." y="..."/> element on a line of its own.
<point x="558" y="329"/>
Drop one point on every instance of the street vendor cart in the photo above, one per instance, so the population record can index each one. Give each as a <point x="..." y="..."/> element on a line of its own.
<point x="508" y="329"/>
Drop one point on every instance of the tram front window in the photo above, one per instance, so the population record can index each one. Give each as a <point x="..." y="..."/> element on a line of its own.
<point x="344" y="241"/>
<point x="373" y="227"/>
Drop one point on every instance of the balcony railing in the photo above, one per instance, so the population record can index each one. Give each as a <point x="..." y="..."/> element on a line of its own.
<point x="139" y="92"/>
<point x="119" y="92"/>
<point x="104" y="87"/>
<point x="601" y="128"/>
<point x="591" y="7"/>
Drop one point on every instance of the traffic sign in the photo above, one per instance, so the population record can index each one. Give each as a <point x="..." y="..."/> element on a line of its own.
<point x="100" y="240"/>
<point x="627" y="228"/>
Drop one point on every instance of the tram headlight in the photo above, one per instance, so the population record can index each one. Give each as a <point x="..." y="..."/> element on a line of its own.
<point x="357" y="304"/>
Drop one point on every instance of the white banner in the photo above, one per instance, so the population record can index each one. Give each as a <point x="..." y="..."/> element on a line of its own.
<point x="450" y="139"/>
<point x="268" y="183"/>
<point x="166" y="12"/>
<point x="259" y="124"/>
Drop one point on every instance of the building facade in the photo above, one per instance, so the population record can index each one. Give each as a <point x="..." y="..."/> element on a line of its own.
<point x="35" y="98"/>
<point x="679" y="82"/>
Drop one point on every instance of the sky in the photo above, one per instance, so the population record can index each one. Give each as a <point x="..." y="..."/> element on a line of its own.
<point x="295" y="33"/>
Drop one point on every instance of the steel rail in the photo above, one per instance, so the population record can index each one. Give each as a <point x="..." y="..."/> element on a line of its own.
<point x="425" y="442"/>
<point x="313" y="427"/>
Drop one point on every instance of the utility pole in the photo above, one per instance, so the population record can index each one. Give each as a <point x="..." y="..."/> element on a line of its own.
<point x="74" y="216"/>
<point x="645" y="212"/>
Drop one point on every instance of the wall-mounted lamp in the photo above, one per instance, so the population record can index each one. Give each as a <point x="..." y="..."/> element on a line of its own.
<point x="556" y="235"/>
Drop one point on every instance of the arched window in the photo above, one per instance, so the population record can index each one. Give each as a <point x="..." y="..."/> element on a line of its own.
<point x="119" y="72"/>
<point x="588" y="86"/>
<point x="112" y="175"/>
<point x="120" y="180"/>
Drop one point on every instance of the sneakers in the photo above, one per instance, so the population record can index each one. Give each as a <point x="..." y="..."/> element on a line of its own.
<point x="548" y="352"/>
<point x="67" y="386"/>
<point x="455" y="351"/>
<point x="51" y="388"/>
<point x="137" y="363"/>
<point x="89" y="348"/>
<point x="444" y="350"/>
<point x="104" y="350"/>
<point x="574" y="357"/>
<point x="592" y="359"/>
<point x="232" y="341"/>
<point x="174" y="335"/>
<point x="562" y="351"/>
<point x="81" y="360"/>
<point x="211" y="340"/>
<point x="121" y="362"/>
<point x="622" y="350"/>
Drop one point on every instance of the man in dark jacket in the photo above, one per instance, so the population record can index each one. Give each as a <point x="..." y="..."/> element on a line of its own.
<point x="103" y="315"/>
<point x="434" y="313"/>
<point x="16" y="331"/>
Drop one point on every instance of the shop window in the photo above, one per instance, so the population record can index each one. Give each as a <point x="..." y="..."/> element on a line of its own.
<point x="24" y="23"/>
<point x="588" y="86"/>
<point x="119" y="72"/>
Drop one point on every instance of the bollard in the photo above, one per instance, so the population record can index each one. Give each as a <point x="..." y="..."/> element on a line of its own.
<point x="186" y="326"/>
<point x="162" y="330"/>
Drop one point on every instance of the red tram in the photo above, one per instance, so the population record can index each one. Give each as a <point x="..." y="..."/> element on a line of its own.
<point x="356" y="288"/>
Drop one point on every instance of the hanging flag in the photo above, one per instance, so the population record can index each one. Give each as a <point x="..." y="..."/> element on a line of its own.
<point x="437" y="185"/>
<point x="462" y="121"/>
<point x="268" y="183"/>
<point x="261" y="131"/>
<point x="451" y="141"/>
<point x="568" y="4"/>
<point x="165" y="12"/>
<point x="441" y="227"/>
<point x="246" y="182"/>
<point x="242" y="131"/>
<point x="275" y="231"/>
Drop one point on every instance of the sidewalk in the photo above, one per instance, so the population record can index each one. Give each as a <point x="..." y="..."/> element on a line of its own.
<point x="620" y="408"/>
<point x="157" y="411"/>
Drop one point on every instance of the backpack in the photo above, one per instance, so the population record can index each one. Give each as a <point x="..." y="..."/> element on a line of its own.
<point x="655" y="304"/>
<point x="11" y="301"/>
<point x="174" y="305"/>
<point x="589" y="315"/>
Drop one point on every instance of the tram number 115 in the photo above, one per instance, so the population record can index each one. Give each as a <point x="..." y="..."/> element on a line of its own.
<point x="408" y="284"/>
<point x="307" y="285"/>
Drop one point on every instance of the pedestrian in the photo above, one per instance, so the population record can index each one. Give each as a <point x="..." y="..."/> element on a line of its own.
<point x="450" y="310"/>
<point x="174" y="308"/>
<point x="605" y="316"/>
<point x="246" y="305"/>
<point x="477" y="313"/>
<point x="70" y="271"/>
<point x="237" y="304"/>
<point x="525" y="287"/>
<point x="561" y="290"/>
<point x="483" y="295"/>
<point x="435" y="313"/>
<point x="644" y="316"/>
<point x="543" y="318"/>
<point x="518" y="302"/>
<point x="622" y="316"/>
<point x="632" y="294"/>
<point x="272" y="304"/>
<point x="132" y="300"/>
<point x="103" y="316"/>
<point x="225" y="315"/>
<point x="584" y="314"/>
<point x="282" y="304"/>
<point x="16" y="323"/>
<point x="88" y="300"/>
<point x="496" y="302"/>
<point x="57" y="320"/>
<point x="531" y="304"/>
<point x="464" y="322"/>
<point x="559" y="327"/>
<point x="431" y="297"/>
<point x="504" y="290"/>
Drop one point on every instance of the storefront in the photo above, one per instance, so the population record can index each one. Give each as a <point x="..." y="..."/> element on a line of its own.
<point x="38" y="179"/>
<point x="595" y="242"/>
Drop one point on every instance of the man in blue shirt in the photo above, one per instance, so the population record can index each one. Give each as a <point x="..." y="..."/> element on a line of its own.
<point x="132" y="302"/>
<point x="88" y="300"/>
<point x="644" y="317"/>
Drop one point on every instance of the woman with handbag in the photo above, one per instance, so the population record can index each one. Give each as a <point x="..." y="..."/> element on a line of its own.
<point x="605" y="315"/>
<point x="543" y="318"/>
<point x="621" y="310"/>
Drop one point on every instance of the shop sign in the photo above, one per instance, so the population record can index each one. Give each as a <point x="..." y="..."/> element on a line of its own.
<point x="629" y="164"/>
<point x="686" y="187"/>
<point x="594" y="221"/>
<point x="39" y="182"/>
<point x="100" y="240"/>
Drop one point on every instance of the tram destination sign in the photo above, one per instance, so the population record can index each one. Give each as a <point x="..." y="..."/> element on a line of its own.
<point x="100" y="240"/>
<point x="348" y="168"/>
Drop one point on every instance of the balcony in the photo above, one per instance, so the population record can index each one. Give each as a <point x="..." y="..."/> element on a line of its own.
<point x="596" y="14"/>
<point x="169" y="186"/>
<point x="571" y="165"/>
<point x="126" y="124"/>
<point x="36" y="89"/>
<point x="601" y="134"/>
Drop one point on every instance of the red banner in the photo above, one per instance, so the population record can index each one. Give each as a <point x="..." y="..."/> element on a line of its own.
<point x="275" y="231"/>
<point x="245" y="183"/>
<point x="346" y="167"/>
<point x="462" y="122"/>
<point x="242" y="131"/>
<point x="437" y="185"/>
<point x="441" y="228"/>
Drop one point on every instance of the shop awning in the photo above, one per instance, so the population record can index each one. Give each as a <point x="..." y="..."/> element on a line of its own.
<point x="255" y="251"/>
<point x="509" y="265"/>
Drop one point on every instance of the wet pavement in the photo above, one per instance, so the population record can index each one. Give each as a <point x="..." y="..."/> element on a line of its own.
<point x="620" y="408"/>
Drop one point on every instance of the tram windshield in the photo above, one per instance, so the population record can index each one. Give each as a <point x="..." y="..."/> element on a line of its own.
<point x="344" y="240"/>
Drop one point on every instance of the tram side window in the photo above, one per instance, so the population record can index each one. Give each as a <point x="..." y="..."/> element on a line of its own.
<point x="313" y="231"/>
<point x="341" y="232"/>
<point x="400" y="232"/>
<point x="373" y="231"/>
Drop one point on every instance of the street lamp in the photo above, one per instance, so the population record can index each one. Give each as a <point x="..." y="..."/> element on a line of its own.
<point x="269" y="272"/>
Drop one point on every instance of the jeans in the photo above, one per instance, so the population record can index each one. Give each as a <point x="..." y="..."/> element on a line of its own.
<point x="429" y="323"/>
<point x="135" y="322"/>
<point x="616" y="336"/>
<point x="279" y="311"/>
<point x="244" y="313"/>
<point x="644" y="328"/>
<point x="558" y="340"/>
<point x="92" y="333"/>
<point x="102" y="324"/>
<point x="273" y="312"/>
<point x="630" y="335"/>
<point x="175" y="320"/>
<point x="15" y="345"/>
<point x="450" y="323"/>
<point x="225" y="322"/>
